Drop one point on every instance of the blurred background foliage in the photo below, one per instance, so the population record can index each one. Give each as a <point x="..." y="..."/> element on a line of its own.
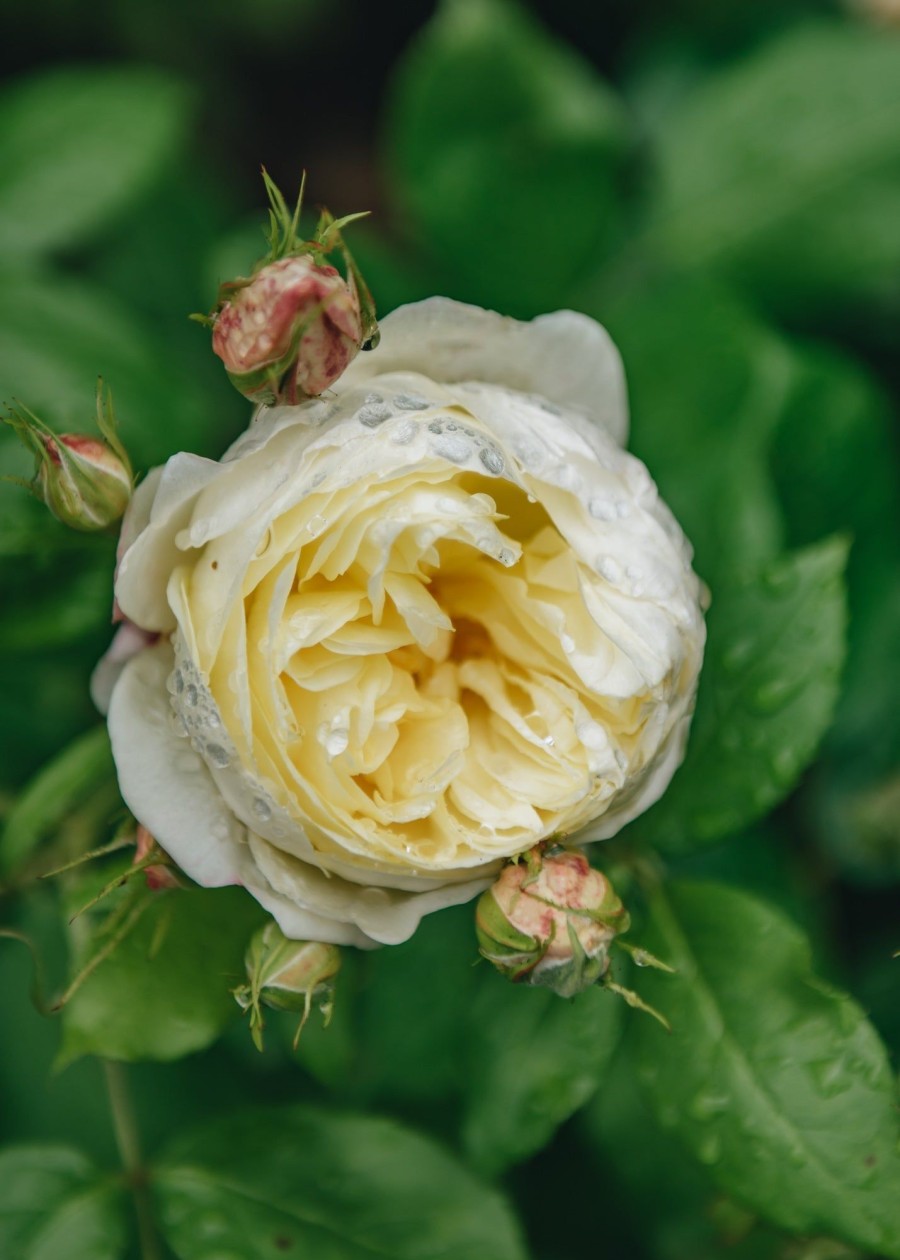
<point x="719" y="184"/>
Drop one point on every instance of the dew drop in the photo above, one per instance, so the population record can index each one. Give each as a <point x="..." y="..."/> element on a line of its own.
<point x="315" y="525"/>
<point x="453" y="448"/>
<point x="404" y="433"/>
<point x="261" y="809"/>
<point x="709" y="1150"/>
<point x="492" y="459"/>
<point x="704" y="1106"/>
<point x="601" y="508"/>
<point x="373" y="414"/>
<point x="218" y="755"/>
<point x="410" y="402"/>
<point x="771" y="696"/>
<point x="609" y="569"/>
<point x="334" y="740"/>
<point x="191" y="695"/>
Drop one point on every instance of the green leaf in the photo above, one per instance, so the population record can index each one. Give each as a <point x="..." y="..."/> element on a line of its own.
<point x="644" y="1172"/>
<point x="767" y="693"/>
<point x="833" y="456"/>
<point x="77" y="145"/>
<point x="533" y="1060"/>
<point x="412" y="1050"/>
<point x="57" y="335"/>
<point x="708" y="385"/>
<point x="79" y="771"/>
<point x="165" y="991"/>
<point x="55" y="1206"/>
<point x="65" y="605"/>
<point x="783" y="170"/>
<point x="774" y="1080"/>
<point x="305" y="1182"/>
<point x="508" y="154"/>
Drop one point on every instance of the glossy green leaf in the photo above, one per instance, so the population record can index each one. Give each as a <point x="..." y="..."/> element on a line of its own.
<point x="57" y="335"/>
<point x="54" y="1205"/>
<point x="305" y="1182"/>
<point x="707" y="387"/>
<point x="79" y="771"/>
<point x="767" y="693"/>
<point x="508" y="155"/>
<point x="833" y="456"/>
<point x="67" y="603"/>
<point x="165" y="990"/>
<point x="410" y="1050"/>
<point x="532" y="1060"/>
<point x="644" y="1170"/>
<point x="774" y="1080"/>
<point x="784" y="170"/>
<point x="77" y="145"/>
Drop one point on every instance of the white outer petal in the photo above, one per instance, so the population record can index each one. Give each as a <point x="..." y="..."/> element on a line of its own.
<point x="565" y="357"/>
<point x="164" y="783"/>
<point x="381" y="916"/>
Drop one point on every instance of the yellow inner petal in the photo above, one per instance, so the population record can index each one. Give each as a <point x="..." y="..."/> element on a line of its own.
<point x="417" y="679"/>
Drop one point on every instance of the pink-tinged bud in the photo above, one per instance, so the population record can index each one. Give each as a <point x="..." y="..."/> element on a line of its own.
<point x="86" y="482"/>
<point x="289" y="332"/>
<point x="158" y="874"/>
<point x="550" y="919"/>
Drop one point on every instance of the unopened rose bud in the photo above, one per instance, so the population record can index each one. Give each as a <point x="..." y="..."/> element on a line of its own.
<point x="86" y="482"/>
<point x="291" y="329"/>
<point x="287" y="976"/>
<point x="289" y="332"/>
<point x="550" y="919"/>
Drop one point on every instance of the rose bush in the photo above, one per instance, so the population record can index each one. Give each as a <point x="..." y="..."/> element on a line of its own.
<point x="405" y="631"/>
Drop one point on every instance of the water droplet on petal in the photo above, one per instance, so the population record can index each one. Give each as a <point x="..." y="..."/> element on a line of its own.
<point x="492" y="459"/>
<point x="218" y="755"/>
<point x="410" y="402"/>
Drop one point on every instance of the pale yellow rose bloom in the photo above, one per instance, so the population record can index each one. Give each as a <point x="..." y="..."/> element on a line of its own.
<point x="406" y="630"/>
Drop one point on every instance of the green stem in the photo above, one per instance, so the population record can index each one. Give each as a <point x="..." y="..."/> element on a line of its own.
<point x="128" y="1142"/>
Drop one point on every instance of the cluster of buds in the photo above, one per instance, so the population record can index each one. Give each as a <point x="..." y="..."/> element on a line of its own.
<point x="289" y="330"/>
<point x="550" y="920"/>
<point x="86" y="482"/>
<point x="287" y="975"/>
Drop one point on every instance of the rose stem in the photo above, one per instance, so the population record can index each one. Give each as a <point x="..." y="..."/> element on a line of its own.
<point x="128" y="1142"/>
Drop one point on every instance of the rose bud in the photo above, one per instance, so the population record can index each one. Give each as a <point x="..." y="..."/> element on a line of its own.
<point x="86" y="482"/>
<point x="550" y="920"/>
<point x="291" y="329"/>
<point x="289" y="332"/>
<point x="287" y="976"/>
<point x="409" y="633"/>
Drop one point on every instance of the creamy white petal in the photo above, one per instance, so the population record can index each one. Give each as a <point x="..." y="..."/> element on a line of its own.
<point x="164" y="782"/>
<point x="566" y="358"/>
<point x="380" y="916"/>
